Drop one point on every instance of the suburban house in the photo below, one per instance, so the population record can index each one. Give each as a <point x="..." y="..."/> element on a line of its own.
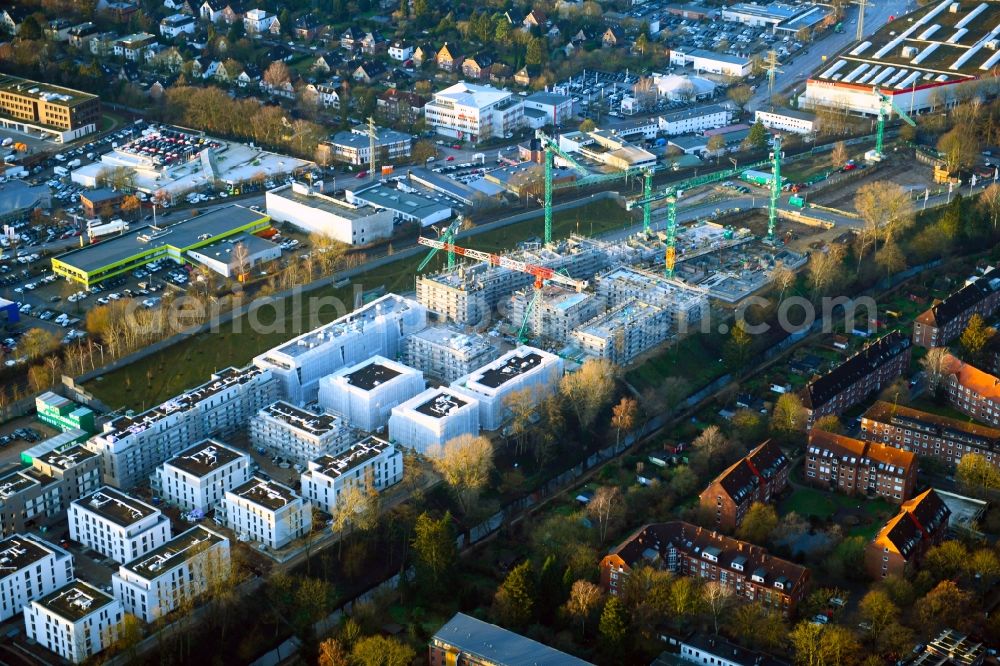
<point x="447" y="58"/>
<point x="477" y="67"/>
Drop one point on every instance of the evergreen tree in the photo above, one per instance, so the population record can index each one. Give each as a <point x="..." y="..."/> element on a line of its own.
<point x="613" y="625"/>
<point x="515" y="599"/>
<point x="758" y="136"/>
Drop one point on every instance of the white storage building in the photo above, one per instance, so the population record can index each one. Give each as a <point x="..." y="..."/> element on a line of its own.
<point x="354" y="223"/>
<point x="365" y="393"/>
<point x="374" y="329"/>
<point x="521" y="368"/>
<point x="432" y="418"/>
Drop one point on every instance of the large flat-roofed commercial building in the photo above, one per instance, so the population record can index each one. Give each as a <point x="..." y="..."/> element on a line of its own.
<point x="116" y="525"/>
<point x="763" y="15"/>
<point x="354" y="147"/>
<point x="524" y="368"/>
<point x="267" y="512"/>
<point x="299" y="434"/>
<point x="432" y="418"/>
<point x="921" y="61"/>
<point x="235" y="256"/>
<point x="710" y="61"/>
<point x="371" y="464"/>
<point x="121" y="254"/>
<point x="151" y="586"/>
<point x="365" y="393"/>
<point x="131" y="447"/>
<point x="30" y="568"/>
<point x="472" y="642"/>
<point x="405" y="205"/>
<point x="474" y="112"/>
<point x="939" y="437"/>
<point x="62" y="113"/>
<point x="28" y="498"/>
<point x="197" y="479"/>
<point x="377" y="328"/>
<point x="556" y="108"/>
<point x="301" y="206"/>
<point x="75" y="621"/>
<point x="446" y="353"/>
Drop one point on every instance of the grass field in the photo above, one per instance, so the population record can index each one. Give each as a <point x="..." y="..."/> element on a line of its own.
<point x="151" y="380"/>
<point x="811" y="502"/>
<point x="690" y="359"/>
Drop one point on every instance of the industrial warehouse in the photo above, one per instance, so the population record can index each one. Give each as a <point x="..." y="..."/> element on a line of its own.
<point x="924" y="63"/>
<point x="90" y="264"/>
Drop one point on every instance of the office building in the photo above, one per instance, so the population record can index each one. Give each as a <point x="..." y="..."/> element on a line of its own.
<point x="196" y="480"/>
<point x="524" y="368"/>
<point x="76" y="621"/>
<point x="131" y="447"/>
<point x="930" y="435"/>
<point x="30" y="568"/>
<point x="867" y="372"/>
<point x="757" y="477"/>
<point x="156" y="583"/>
<point x="234" y="257"/>
<point x="557" y="109"/>
<point x="432" y="418"/>
<point x="901" y="544"/>
<point x="285" y="430"/>
<point x="372" y="464"/>
<point x="972" y="391"/>
<point x="354" y="147"/>
<point x="471" y="642"/>
<point x="267" y="512"/>
<point x="945" y="320"/>
<point x="792" y="121"/>
<point x="377" y="328"/>
<point x="472" y="112"/>
<point x="365" y="393"/>
<point x="61" y="113"/>
<point x="311" y="211"/>
<point x="116" y="525"/>
<point x="445" y="352"/>
<point x="854" y="467"/>
<point x="747" y="570"/>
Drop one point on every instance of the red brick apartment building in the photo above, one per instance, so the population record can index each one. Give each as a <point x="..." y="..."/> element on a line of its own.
<point x="972" y="391"/>
<point x="871" y="369"/>
<point x="902" y="542"/>
<point x="758" y="477"/>
<point x="685" y="549"/>
<point x="938" y="437"/>
<point x="944" y="321"/>
<point x="854" y="467"/>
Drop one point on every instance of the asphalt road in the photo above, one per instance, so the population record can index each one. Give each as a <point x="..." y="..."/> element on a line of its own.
<point x="795" y="72"/>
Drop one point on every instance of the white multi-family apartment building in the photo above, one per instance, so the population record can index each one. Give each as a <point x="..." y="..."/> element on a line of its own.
<point x="372" y="463"/>
<point x="472" y="112"/>
<point x="131" y="447"/>
<point x="524" y="368"/>
<point x="197" y="479"/>
<point x="446" y="352"/>
<point x="377" y="328"/>
<point x="76" y="621"/>
<point x="787" y="120"/>
<point x="30" y="568"/>
<point x="267" y="512"/>
<point x="297" y="434"/>
<point x="365" y="393"/>
<point x="698" y="119"/>
<point x="116" y="525"/>
<point x="432" y="418"/>
<point x="151" y="586"/>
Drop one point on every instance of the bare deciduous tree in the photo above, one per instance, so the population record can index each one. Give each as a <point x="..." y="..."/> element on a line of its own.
<point x="605" y="508"/>
<point x="583" y="599"/>
<point x="589" y="389"/>
<point x="718" y="599"/>
<point x="935" y="365"/>
<point x="465" y="463"/>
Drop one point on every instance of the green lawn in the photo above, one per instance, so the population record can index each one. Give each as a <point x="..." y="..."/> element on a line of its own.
<point x="690" y="358"/>
<point x="811" y="502"/>
<point x="151" y="380"/>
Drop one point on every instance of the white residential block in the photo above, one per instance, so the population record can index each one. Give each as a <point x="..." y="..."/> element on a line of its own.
<point x="197" y="479"/>
<point x="434" y="417"/>
<point x="116" y="525"/>
<point x="522" y="368"/>
<point x="76" y="621"/>
<point x="151" y="586"/>
<point x="267" y="512"/>
<point x="365" y="393"/>
<point x="30" y="568"/>
<point x="297" y="434"/>
<point x="372" y="462"/>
